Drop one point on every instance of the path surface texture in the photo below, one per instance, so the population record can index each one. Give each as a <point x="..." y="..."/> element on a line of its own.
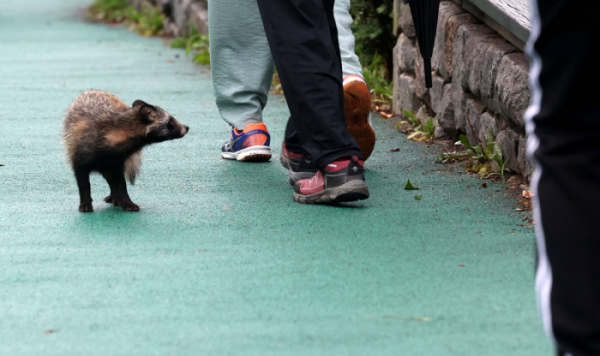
<point x="220" y="260"/>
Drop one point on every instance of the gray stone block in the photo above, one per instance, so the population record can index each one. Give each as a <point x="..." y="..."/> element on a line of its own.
<point x="437" y="93"/>
<point x="420" y="89"/>
<point x="184" y="12"/>
<point x="475" y="110"/>
<point x="169" y="28"/>
<point x="511" y="89"/>
<point x="404" y="94"/>
<point x="405" y="22"/>
<point x="459" y="98"/>
<point x="440" y="134"/>
<point x="476" y="48"/>
<point x="487" y="127"/>
<point x="422" y="115"/>
<point x="181" y="10"/>
<point x="493" y="57"/>
<point x="508" y="140"/>
<point x="525" y="166"/>
<point x="445" y="116"/>
<point x="438" y="59"/>
<point x="406" y="52"/>
<point x="199" y="17"/>
<point x="451" y="29"/>
<point x="470" y="40"/>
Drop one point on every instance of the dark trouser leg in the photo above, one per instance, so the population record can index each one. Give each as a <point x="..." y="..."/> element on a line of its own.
<point x="85" y="196"/>
<point x="563" y="123"/>
<point x="304" y="44"/>
<point x="118" y="189"/>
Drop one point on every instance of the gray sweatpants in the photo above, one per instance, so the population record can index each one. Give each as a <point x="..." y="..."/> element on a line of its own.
<point x="241" y="62"/>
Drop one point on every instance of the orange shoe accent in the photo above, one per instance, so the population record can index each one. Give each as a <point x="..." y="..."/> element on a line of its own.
<point x="259" y="126"/>
<point x="255" y="140"/>
<point x="357" y="107"/>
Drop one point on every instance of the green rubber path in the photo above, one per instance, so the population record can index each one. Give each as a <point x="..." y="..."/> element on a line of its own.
<point x="220" y="260"/>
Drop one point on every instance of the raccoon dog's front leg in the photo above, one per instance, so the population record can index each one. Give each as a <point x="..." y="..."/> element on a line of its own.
<point x="85" y="197"/>
<point x="118" y="189"/>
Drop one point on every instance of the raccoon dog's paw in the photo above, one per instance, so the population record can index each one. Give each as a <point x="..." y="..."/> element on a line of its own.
<point x="130" y="207"/>
<point x="109" y="199"/>
<point x="86" y="208"/>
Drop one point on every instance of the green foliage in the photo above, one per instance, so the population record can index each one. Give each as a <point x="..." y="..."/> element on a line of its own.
<point x="478" y="158"/>
<point x="109" y="10"/>
<point x="148" y="21"/>
<point x="375" y="75"/>
<point x="375" y="41"/>
<point x="194" y="42"/>
<point x="420" y="131"/>
<point x="410" y="186"/>
<point x="373" y="30"/>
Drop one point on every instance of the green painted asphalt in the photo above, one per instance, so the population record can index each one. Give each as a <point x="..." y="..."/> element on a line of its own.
<point x="220" y="260"/>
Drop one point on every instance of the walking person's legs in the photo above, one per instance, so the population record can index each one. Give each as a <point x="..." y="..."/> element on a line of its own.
<point x="343" y="19"/>
<point x="563" y="123"/>
<point x="242" y="71"/>
<point x="303" y="39"/>
<point x="357" y="106"/>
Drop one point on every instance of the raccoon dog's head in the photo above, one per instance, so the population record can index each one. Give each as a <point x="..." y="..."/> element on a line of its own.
<point x="160" y="125"/>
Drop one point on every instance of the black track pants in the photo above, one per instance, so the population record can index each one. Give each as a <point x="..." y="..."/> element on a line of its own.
<point x="563" y="124"/>
<point x="304" y="43"/>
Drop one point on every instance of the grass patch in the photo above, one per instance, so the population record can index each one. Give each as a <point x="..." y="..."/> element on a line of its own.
<point x="485" y="159"/>
<point x="417" y="130"/>
<point x="147" y="22"/>
<point x="195" y="42"/>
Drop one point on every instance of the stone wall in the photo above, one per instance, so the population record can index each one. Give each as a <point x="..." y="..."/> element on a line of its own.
<point x="480" y="82"/>
<point x="179" y="14"/>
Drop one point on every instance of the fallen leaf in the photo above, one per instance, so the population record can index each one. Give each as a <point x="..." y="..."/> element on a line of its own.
<point x="409" y="186"/>
<point x="461" y="265"/>
<point x="484" y="185"/>
<point x="49" y="331"/>
<point x="418" y="197"/>
<point x="525" y="218"/>
<point x="386" y="115"/>
<point x="170" y="61"/>
<point x="176" y="56"/>
<point x="395" y="150"/>
<point x="527" y="194"/>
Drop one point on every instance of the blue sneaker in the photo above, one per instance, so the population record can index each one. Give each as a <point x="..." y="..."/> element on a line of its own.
<point x="249" y="145"/>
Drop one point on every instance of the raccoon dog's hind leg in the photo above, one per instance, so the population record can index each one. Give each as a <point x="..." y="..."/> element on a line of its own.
<point x="132" y="168"/>
<point x="85" y="196"/>
<point x="115" y="176"/>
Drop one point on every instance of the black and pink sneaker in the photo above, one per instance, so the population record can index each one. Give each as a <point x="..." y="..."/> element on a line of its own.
<point x="300" y="166"/>
<point x="341" y="181"/>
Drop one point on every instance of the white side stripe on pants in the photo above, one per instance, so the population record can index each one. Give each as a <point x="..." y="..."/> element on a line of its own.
<point x="543" y="280"/>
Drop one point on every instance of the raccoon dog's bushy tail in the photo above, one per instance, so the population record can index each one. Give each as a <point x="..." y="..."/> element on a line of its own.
<point x="132" y="166"/>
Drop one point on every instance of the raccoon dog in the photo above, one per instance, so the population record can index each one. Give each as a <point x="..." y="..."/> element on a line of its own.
<point x="102" y="134"/>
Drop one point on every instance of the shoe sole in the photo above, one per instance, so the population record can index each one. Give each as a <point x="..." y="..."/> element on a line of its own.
<point x="250" y="154"/>
<point x="352" y="191"/>
<point x="357" y="109"/>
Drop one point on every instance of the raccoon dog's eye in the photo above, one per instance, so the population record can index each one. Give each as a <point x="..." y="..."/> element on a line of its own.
<point x="171" y="124"/>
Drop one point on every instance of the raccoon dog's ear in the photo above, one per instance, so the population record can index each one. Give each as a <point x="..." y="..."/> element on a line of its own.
<point x="138" y="104"/>
<point x="146" y="110"/>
